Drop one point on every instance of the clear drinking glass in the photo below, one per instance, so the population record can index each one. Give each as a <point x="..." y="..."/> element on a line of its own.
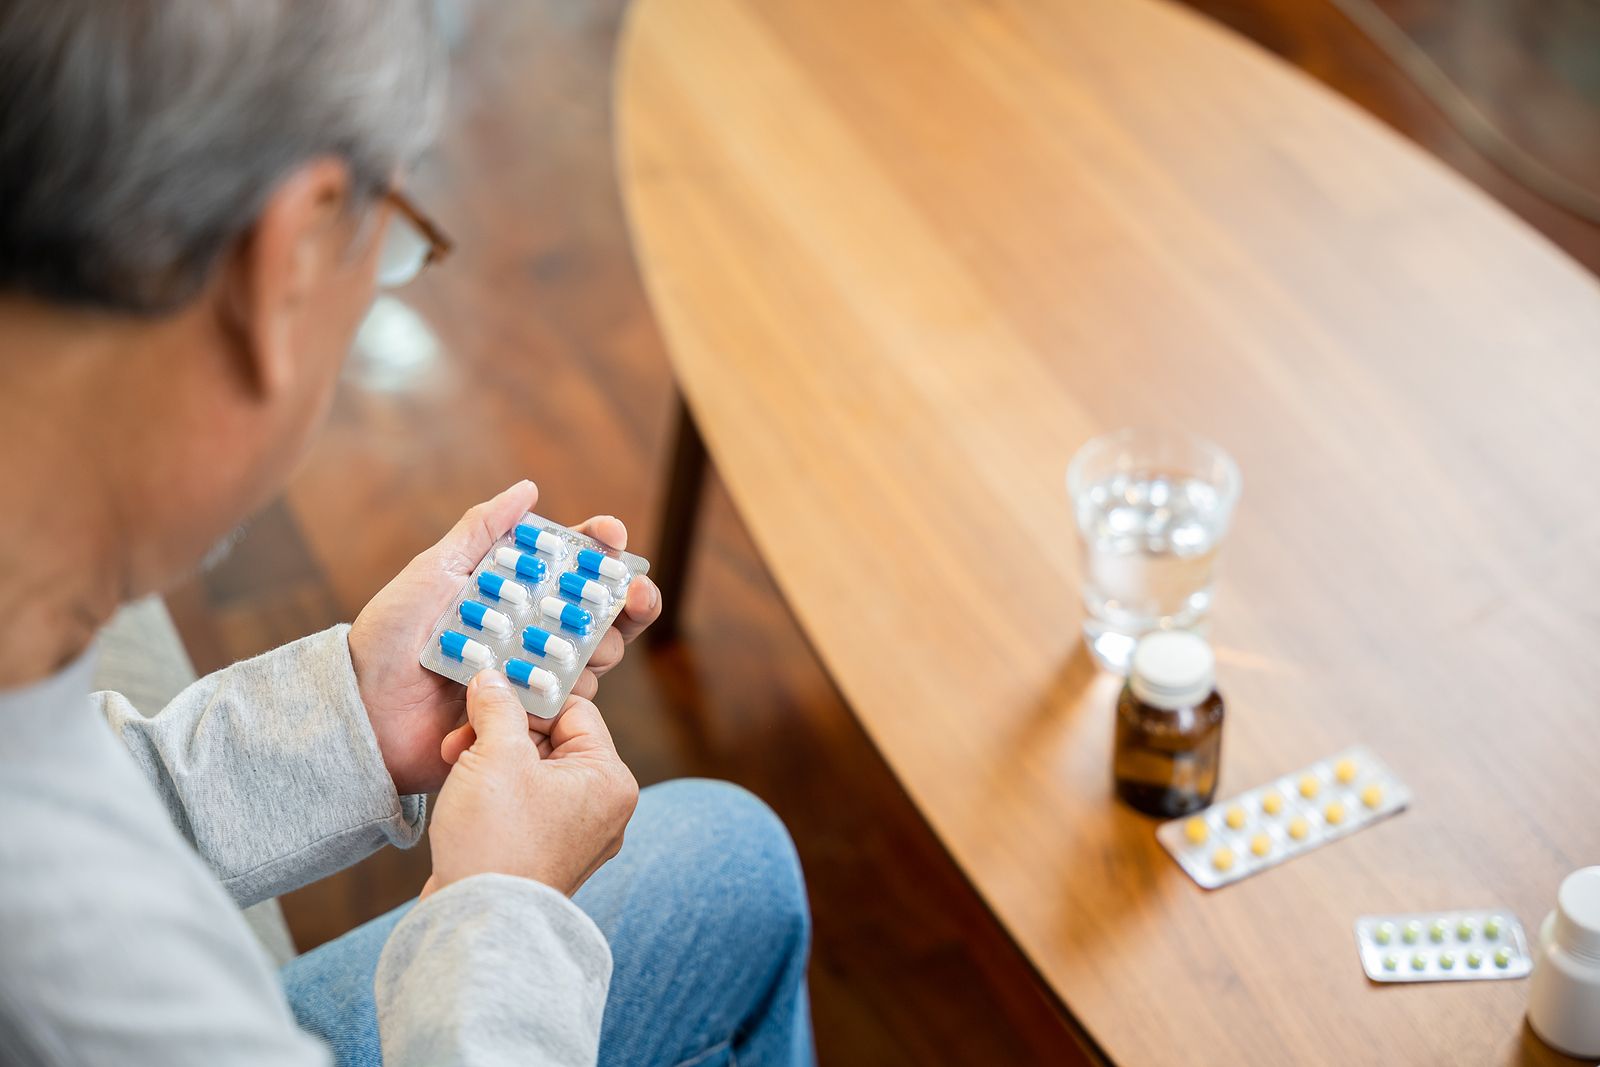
<point x="1152" y="507"/>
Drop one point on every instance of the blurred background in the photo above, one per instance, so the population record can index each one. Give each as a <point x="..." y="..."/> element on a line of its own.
<point x="532" y="353"/>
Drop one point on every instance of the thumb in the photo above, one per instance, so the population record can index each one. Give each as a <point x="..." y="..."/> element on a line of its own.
<point x="494" y="711"/>
<point x="476" y="532"/>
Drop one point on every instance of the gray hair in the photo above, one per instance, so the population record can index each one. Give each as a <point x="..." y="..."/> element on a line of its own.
<point x="140" y="138"/>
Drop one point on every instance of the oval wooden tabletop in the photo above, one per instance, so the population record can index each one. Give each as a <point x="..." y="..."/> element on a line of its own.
<point x="909" y="254"/>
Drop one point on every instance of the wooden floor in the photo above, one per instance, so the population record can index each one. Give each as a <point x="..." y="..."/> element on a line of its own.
<point x="535" y="355"/>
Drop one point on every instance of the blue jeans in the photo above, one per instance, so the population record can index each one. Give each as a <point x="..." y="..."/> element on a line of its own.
<point x="705" y="911"/>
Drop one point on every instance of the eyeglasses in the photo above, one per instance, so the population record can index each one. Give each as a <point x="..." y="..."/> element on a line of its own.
<point x="411" y="244"/>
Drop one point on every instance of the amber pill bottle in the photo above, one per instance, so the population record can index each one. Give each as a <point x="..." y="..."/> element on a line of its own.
<point x="1169" y="726"/>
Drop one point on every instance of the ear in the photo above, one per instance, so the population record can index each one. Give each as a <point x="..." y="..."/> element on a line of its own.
<point x="299" y="239"/>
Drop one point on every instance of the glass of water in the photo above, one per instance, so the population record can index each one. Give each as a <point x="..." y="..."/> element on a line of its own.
<point x="1152" y="507"/>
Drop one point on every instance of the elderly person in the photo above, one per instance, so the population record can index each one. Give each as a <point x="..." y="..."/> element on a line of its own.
<point x="196" y="197"/>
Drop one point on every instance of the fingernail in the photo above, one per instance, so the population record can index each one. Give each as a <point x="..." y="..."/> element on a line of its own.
<point x="489" y="678"/>
<point x="655" y="593"/>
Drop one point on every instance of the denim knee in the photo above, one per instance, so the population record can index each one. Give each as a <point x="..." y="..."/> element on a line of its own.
<point x="705" y="911"/>
<point x="733" y="847"/>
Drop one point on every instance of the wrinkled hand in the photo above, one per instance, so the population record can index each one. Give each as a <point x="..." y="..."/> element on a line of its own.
<point x="411" y="708"/>
<point x="550" y="808"/>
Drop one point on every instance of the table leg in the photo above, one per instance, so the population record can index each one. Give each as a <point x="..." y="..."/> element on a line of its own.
<point x="685" y="479"/>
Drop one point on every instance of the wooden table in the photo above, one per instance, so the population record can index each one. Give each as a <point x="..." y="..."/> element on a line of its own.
<point x="909" y="254"/>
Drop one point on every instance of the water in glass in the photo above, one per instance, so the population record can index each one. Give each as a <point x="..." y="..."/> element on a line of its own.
<point x="1149" y="541"/>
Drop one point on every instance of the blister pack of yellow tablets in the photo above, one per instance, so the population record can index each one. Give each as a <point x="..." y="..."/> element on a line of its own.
<point x="1284" y="818"/>
<point x="535" y="607"/>
<point x="1443" y="946"/>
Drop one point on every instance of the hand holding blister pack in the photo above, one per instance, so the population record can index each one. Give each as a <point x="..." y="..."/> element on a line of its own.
<point x="535" y="608"/>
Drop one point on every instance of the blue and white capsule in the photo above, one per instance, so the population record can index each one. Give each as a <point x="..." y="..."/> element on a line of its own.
<point x="546" y="644"/>
<point x="528" y="568"/>
<point x="599" y="563"/>
<point x="540" y="540"/>
<point x="481" y="616"/>
<point x="497" y="588"/>
<point x="528" y="676"/>
<point x="569" y="615"/>
<point x="457" y="645"/>
<point x="578" y="587"/>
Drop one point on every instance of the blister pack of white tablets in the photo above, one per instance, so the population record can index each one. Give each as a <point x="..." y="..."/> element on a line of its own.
<point x="536" y="608"/>
<point x="1443" y="946"/>
<point x="1287" y="817"/>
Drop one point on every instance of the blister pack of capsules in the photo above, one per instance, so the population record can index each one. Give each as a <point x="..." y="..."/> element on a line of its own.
<point x="1443" y="946"/>
<point x="535" y="608"/>
<point x="1287" y="817"/>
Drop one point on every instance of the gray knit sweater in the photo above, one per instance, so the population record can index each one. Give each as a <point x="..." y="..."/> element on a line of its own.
<point x="127" y="845"/>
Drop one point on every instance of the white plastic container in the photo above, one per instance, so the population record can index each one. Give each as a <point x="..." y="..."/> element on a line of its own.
<point x="1564" y="995"/>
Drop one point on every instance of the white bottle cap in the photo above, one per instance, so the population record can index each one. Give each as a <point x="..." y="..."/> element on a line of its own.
<point x="1577" y="926"/>
<point x="1173" y="669"/>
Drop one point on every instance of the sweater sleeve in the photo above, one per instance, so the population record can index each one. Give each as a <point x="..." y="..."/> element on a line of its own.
<point x="493" y="970"/>
<point x="269" y="768"/>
